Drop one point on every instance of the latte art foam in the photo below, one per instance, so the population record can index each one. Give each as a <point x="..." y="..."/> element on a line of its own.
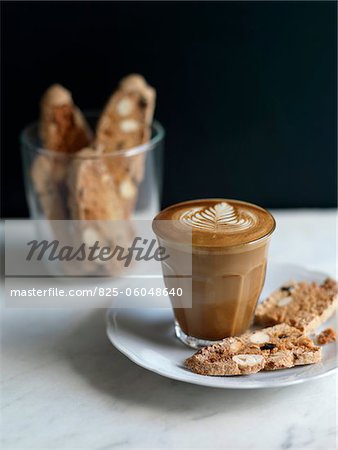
<point x="213" y="223"/>
<point x="221" y="217"/>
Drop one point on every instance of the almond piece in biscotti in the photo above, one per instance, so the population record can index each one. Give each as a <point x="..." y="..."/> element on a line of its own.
<point x="127" y="190"/>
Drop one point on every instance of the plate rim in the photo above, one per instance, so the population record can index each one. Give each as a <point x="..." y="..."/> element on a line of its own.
<point x="110" y="320"/>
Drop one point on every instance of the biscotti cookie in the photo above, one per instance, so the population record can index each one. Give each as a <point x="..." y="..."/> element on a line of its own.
<point x="92" y="196"/>
<point x="64" y="130"/>
<point x="273" y="348"/>
<point x="62" y="125"/>
<point x="302" y="305"/>
<point x="124" y="124"/>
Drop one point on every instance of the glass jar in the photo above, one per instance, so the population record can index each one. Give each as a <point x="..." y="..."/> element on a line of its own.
<point x="118" y="185"/>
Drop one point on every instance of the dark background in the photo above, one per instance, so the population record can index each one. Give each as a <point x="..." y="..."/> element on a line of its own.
<point x="246" y="91"/>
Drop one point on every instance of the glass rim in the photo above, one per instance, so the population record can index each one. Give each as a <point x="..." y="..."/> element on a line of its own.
<point x="27" y="140"/>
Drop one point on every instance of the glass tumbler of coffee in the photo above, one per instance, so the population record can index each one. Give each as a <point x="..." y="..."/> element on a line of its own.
<point x="227" y="243"/>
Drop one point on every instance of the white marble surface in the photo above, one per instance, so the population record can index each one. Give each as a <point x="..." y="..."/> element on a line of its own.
<point x="64" y="386"/>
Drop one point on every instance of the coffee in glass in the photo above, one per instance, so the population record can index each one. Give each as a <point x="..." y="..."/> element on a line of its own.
<point x="228" y="242"/>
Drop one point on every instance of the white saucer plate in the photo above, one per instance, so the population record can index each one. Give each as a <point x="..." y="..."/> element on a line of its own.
<point x="146" y="337"/>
